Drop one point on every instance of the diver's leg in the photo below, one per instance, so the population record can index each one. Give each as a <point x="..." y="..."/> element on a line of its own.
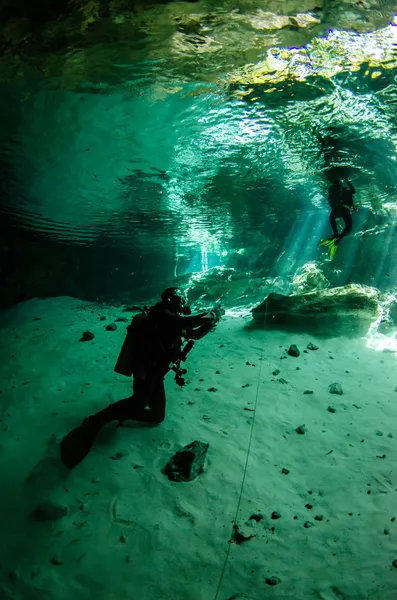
<point x="157" y="400"/>
<point x="76" y="445"/>
<point x="332" y="219"/>
<point x="347" y="217"/>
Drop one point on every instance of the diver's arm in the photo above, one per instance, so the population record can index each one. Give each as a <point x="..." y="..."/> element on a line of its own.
<point x="351" y="186"/>
<point x="200" y="332"/>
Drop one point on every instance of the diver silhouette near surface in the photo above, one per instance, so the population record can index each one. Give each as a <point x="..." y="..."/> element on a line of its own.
<point x="153" y="344"/>
<point x="341" y="201"/>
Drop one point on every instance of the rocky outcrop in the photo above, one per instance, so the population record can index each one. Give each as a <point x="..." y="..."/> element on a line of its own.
<point x="349" y="304"/>
<point x="188" y="463"/>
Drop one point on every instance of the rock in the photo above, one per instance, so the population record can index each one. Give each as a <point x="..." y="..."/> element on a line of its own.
<point x="49" y="511"/>
<point x="318" y="518"/>
<point x="336" y="388"/>
<point x="331" y="409"/>
<point x="353" y="305"/>
<point x="102" y="318"/>
<point x="276" y="372"/>
<point x="276" y="515"/>
<point x="281" y="380"/>
<point x="308" y="392"/>
<point x="212" y="389"/>
<point x="394" y="563"/>
<point x="111" y="327"/>
<point x="293" y="351"/>
<point x="188" y="463"/>
<point x="309" y="506"/>
<point x="238" y="537"/>
<point x="87" y="336"/>
<point x="256" y="518"/>
<point x="273" y="580"/>
<point x="309" y="278"/>
<point x="308" y="524"/>
<point x="285" y="471"/>
<point x="311" y="346"/>
<point x="117" y="456"/>
<point x="301" y="429"/>
<point x="122" y="319"/>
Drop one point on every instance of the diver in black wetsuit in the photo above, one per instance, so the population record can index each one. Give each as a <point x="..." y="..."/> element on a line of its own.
<point x="341" y="201"/>
<point x="156" y="344"/>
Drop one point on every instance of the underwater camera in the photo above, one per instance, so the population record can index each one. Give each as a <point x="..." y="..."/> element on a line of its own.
<point x="179" y="372"/>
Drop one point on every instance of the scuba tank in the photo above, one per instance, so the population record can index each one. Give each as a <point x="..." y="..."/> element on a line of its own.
<point x="137" y="345"/>
<point x="134" y="344"/>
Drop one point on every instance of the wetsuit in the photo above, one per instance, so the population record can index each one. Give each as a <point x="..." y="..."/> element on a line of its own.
<point x="342" y="203"/>
<point x="161" y="347"/>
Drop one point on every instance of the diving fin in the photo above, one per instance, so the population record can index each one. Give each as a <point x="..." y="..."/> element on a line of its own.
<point x="77" y="443"/>
<point x="327" y="242"/>
<point x="333" y="248"/>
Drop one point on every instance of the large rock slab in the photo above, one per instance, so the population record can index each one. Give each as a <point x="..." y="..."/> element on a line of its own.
<point x="348" y="303"/>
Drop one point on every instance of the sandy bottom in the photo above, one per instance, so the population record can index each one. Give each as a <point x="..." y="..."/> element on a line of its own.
<point x="131" y="534"/>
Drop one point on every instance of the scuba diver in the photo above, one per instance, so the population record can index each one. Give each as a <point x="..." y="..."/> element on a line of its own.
<point x="341" y="201"/>
<point x="153" y="343"/>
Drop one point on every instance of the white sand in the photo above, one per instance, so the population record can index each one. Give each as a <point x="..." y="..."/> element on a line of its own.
<point x="176" y="535"/>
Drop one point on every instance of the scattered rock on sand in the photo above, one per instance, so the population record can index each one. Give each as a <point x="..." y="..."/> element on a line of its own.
<point x="273" y="580"/>
<point x="293" y="350"/>
<point x="256" y="518"/>
<point x="311" y="346"/>
<point x="336" y="388"/>
<point x="238" y="537"/>
<point x="87" y="336"/>
<point x="49" y="511"/>
<point x="111" y="327"/>
<point x="301" y="429"/>
<point x="188" y="463"/>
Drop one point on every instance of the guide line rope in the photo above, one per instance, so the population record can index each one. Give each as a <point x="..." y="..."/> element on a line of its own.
<point x="246" y="464"/>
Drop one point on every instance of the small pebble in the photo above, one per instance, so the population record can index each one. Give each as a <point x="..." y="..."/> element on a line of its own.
<point x="331" y="409"/>
<point x="336" y="388"/>
<point x="256" y="518"/>
<point x="276" y="515"/>
<point x="293" y="351"/>
<point x="272" y="580"/>
<point x="276" y="372"/>
<point x="301" y="429"/>
<point x="245" y="385"/>
<point x="102" y="318"/>
<point x="309" y="506"/>
<point x="308" y="524"/>
<point x="394" y="563"/>
<point x="123" y="540"/>
<point x="285" y="471"/>
<point x="281" y="380"/>
<point x="87" y="336"/>
<point x="212" y="389"/>
<point x="111" y="327"/>
<point x="308" y="392"/>
<point x="311" y="346"/>
<point x="386" y="531"/>
<point x="319" y="517"/>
